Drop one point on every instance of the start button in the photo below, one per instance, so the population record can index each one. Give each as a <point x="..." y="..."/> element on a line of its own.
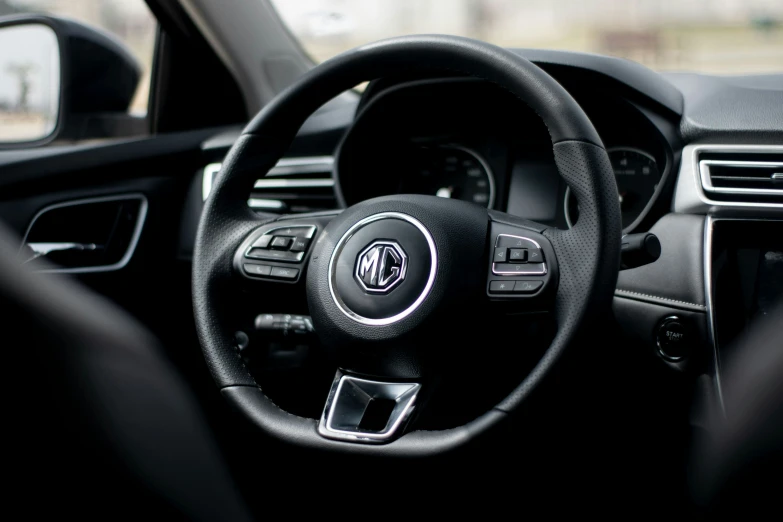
<point x="674" y="339"/>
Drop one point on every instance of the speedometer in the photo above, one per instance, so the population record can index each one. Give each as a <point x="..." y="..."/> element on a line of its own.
<point x="637" y="178"/>
<point x="450" y="172"/>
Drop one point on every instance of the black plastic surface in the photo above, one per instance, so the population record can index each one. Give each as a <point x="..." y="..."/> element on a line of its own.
<point x="639" y="80"/>
<point x="676" y="278"/>
<point x="639" y="250"/>
<point x="731" y="109"/>
<point x="735" y="464"/>
<point x="564" y="119"/>
<point x="53" y="164"/>
<point x="747" y="282"/>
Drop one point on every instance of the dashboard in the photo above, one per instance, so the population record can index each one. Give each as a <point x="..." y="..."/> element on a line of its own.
<point x="467" y="139"/>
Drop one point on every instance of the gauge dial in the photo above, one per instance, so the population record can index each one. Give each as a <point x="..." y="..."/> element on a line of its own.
<point x="451" y="172"/>
<point x="637" y="178"/>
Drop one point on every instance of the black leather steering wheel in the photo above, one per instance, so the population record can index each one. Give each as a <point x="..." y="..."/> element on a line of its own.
<point x="381" y="273"/>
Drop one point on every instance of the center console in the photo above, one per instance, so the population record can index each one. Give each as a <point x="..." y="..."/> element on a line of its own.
<point x="746" y="277"/>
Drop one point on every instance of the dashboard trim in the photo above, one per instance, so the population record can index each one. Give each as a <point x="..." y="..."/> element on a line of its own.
<point x="714" y="361"/>
<point x="689" y="195"/>
<point x="659" y="300"/>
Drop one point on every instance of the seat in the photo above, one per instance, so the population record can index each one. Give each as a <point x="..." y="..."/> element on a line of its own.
<point x="98" y="423"/>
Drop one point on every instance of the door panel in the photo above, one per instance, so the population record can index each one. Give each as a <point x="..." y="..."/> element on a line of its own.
<point x="154" y="285"/>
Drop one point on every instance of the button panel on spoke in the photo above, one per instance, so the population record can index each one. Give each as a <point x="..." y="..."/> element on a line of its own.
<point x="518" y="268"/>
<point x="276" y="253"/>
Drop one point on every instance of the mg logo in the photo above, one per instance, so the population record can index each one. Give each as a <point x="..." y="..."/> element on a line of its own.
<point x="381" y="266"/>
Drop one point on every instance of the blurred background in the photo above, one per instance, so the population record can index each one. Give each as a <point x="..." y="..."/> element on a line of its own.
<point x="715" y="36"/>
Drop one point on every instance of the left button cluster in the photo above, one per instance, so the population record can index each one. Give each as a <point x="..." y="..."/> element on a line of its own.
<point x="283" y="245"/>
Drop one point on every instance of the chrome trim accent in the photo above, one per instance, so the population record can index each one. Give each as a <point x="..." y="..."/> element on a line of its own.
<point x="430" y="280"/>
<point x="266" y="204"/>
<point x="302" y="165"/>
<point x="714" y="362"/>
<point x="528" y="272"/>
<point x="207" y="178"/>
<point x="364" y="391"/>
<point x="284" y="167"/>
<point x="689" y="195"/>
<point x="485" y="165"/>
<point x="567" y="212"/>
<point x="292" y="183"/>
<point x="44" y="249"/>
<point x="131" y="245"/>
<point x="706" y="179"/>
<point x="543" y="271"/>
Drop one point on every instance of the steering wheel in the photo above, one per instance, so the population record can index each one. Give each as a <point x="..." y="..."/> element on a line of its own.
<point x="382" y="276"/>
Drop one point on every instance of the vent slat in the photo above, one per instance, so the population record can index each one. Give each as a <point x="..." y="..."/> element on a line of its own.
<point x="735" y="180"/>
<point x="294" y="185"/>
<point x="768" y="180"/>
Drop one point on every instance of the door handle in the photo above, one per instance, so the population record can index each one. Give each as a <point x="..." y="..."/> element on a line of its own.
<point x="44" y="249"/>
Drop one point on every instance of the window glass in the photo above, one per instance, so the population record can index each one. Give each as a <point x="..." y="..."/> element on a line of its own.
<point x="716" y="36"/>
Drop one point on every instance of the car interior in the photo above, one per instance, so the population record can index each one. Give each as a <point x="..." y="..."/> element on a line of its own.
<point x="491" y="278"/>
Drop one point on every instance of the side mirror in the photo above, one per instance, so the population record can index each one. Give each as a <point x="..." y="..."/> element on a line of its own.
<point x="60" y="79"/>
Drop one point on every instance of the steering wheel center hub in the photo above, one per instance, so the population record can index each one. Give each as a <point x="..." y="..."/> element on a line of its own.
<point x="383" y="268"/>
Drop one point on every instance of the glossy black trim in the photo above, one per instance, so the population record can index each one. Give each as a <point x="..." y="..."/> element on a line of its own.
<point x="33" y="165"/>
<point x="637" y="77"/>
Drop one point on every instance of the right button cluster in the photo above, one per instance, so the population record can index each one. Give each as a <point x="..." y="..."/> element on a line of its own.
<point x="518" y="265"/>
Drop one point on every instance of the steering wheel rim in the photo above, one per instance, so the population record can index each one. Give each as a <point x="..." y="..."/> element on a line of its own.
<point x="588" y="254"/>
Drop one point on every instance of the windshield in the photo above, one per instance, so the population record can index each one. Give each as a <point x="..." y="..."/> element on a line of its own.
<point x="715" y="36"/>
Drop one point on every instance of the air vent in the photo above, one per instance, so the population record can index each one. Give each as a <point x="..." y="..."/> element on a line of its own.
<point x="756" y="178"/>
<point x="293" y="186"/>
